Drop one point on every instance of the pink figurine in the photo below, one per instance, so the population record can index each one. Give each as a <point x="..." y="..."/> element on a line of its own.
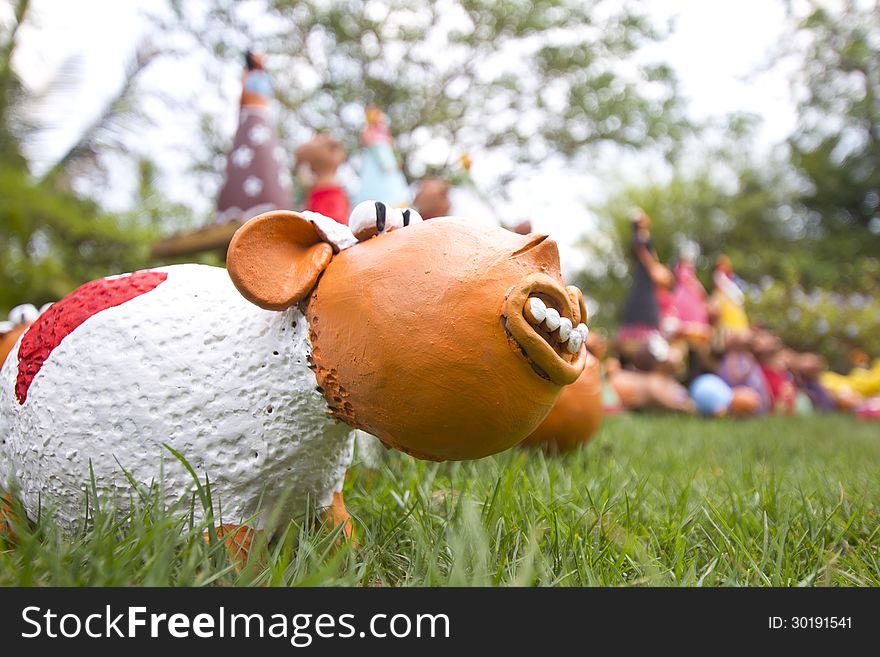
<point x="690" y="300"/>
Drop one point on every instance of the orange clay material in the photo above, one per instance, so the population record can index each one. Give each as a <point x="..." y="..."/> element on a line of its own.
<point x="7" y="341"/>
<point x="576" y="416"/>
<point x="336" y="514"/>
<point x="238" y="539"/>
<point x="432" y="199"/>
<point x="745" y="402"/>
<point x="418" y="337"/>
<point x="649" y="390"/>
<point x="275" y="259"/>
<point x="560" y="370"/>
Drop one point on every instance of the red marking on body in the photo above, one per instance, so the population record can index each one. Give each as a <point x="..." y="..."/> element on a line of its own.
<point x="63" y="317"/>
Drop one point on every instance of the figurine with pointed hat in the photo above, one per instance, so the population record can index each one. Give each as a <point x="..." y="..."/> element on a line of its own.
<point x="255" y="176"/>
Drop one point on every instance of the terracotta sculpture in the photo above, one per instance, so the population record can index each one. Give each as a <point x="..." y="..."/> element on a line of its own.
<point x="316" y="164"/>
<point x="255" y="179"/>
<point x="443" y="338"/>
<point x="432" y="199"/>
<point x="380" y="172"/>
<point x="523" y="227"/>
<point x="576" y="416"/>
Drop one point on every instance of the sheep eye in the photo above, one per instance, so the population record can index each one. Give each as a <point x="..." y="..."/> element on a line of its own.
<point x="381" y="209"/>
<point x="411" y="216"/>
<point x="368" y="219"/>
<point x="371" y="218"/>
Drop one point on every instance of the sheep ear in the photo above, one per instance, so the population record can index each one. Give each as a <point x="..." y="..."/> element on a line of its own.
<point x="275" y="259"/>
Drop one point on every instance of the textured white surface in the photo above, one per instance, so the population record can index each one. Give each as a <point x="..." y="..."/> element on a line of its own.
<point x="191" y="364"/>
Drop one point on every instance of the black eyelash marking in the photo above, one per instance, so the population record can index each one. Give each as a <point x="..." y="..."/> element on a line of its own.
<point x="380" y="216"/>
<point x="406" y="217"/>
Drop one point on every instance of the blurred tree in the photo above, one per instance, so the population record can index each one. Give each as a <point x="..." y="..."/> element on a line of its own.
<point x="51" y="238"/>
<point x="535" y="78"/>
<point x="729" y="202"/>
<point x="808" y="218"/>
<point x="719" y="199"/>
<point x="12" y="122"/>
<point x="53" y="241"/>
<point x="836" y="147"/>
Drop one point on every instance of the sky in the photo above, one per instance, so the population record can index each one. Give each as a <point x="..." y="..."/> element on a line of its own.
<point x="716" y="48"/>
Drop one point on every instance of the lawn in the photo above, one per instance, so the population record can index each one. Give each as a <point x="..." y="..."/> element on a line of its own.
<point x="653" y="500"/>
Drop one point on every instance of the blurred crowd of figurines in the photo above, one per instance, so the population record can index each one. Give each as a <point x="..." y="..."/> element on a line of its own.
<point x="681" y="349"/>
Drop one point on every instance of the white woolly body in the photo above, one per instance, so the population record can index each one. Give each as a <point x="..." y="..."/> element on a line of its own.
<point x="192" y="364"/>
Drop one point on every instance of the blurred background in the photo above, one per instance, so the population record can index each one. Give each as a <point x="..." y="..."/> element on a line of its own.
<point x="748" y="128"/>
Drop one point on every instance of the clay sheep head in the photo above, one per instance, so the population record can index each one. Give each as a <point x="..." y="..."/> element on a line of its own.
<point x="446" y="339"/>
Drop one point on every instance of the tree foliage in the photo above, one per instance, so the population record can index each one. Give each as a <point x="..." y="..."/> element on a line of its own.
<point x="536" y="78"/>
<point x="54" y="241"/>
<point x="51" y="238"/>
<point x="836" y="148"/>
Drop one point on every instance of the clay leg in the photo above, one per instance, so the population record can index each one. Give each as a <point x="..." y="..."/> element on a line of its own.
<point x="336" y="514"/>
<point x="238" y="540"/>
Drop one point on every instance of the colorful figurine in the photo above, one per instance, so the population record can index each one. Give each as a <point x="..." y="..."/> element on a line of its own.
<point x="316" y="164"/>
<point x="247" y="373"/>
<point x="255" y="173"/>
<point x="739" y="368"/>
<point x="810" y="394"/>
<point x="641" y="313"/>
<point x="648" y="390"/>
<point x="690" y="301"/>
<point x="380" y="172"/>
<point x="732" y="325"/>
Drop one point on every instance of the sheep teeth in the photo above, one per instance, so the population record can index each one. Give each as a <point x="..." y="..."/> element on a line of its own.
<point x="575" y="341"/>
<point x="535" y="310"/>
<point x="565" y="329"/>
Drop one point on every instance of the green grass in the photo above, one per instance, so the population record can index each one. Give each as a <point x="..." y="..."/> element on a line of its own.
<point x="654" y="500"/>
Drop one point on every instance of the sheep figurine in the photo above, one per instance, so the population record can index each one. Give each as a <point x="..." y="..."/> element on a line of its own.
<point x="414" y="332"/>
